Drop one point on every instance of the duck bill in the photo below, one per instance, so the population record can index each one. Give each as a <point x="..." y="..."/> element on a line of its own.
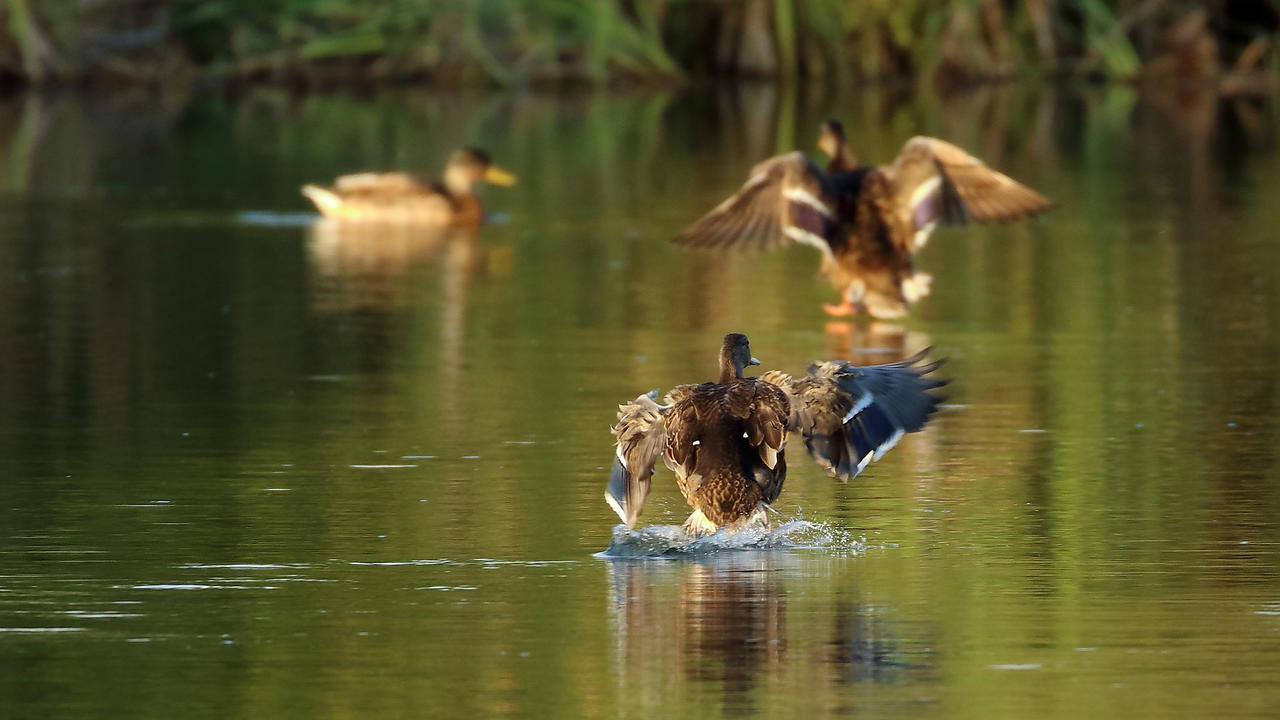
<point x="753" y="361"/>
<point x="497" y="176"/>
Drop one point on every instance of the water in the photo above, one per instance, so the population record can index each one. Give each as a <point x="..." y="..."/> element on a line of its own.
<point x="671" y="541"/>
<point x="254" y="469"/>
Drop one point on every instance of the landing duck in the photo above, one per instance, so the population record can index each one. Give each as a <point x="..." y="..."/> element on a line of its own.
<point x="725" y="441"/>
<point x="404" y="198"/>
<point x="867" y="221"/>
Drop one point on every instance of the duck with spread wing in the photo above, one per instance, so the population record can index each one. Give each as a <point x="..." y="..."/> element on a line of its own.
<point x="867" y="221"/>
<point x="725" y="441"/>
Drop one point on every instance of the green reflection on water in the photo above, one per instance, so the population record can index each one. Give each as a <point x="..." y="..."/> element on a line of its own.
<point x="257" y="471"/>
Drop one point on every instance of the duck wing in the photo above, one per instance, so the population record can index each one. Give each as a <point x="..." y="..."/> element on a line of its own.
<point x="936" y="182"/>
<point x="641" y="432"/>
<point x="645" y="430"/>
<point x="785" y="200"/>
<point x="766" y="431"/>
<point x="384" y="184"/>
<point x="850" y="415"/>
<point x="764" y="411"/>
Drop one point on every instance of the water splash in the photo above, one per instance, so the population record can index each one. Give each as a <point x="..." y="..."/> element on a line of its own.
<point x="670" y="541"/>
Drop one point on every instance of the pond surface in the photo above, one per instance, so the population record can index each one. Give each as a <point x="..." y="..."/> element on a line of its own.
<point x="253" y="468"/>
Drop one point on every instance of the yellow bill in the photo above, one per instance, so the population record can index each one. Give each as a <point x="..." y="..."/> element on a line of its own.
<point x="497" y="176"/>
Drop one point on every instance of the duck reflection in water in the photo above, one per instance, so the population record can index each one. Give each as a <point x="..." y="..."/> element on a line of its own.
<point x="373" y="273"/>
<point x="727" y="618"/>
<point x="733" y="623"/>
<point x="372" y="267"/>
<point x="726" y="622"/>
<point x="877" y="341"/>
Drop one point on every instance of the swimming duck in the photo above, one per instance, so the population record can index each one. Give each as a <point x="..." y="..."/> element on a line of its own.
<point x="867" y="221"/>
<point x="725" y="441"/>
<point x="400" y="197"/>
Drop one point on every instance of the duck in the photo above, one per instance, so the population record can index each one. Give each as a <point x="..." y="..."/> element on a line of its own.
<point x="725" y="441"/>
<point x="405" y="198"/>
<point x="867" y="221"/>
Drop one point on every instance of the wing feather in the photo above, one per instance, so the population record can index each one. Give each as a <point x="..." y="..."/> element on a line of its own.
<point x="766" y="423"/>
<point x="850" y="415"/>
<point x="786" y="199"/>
<point x="939" y="183"/>
<point x="684" y="434"/>
<point x="641" y="436"/>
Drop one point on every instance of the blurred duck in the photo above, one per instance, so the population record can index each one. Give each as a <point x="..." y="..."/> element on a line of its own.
<point x="725" y="441"/>
<point x="400" y="197"/>
<point x="867" y="221"/>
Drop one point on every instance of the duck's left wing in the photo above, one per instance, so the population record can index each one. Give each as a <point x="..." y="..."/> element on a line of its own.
<point x="640" y="432"/>
<point x="936" y="183"/>
<point x="850" y="415"/>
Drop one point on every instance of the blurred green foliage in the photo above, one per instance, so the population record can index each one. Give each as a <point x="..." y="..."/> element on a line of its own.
<point x="514" y="42"/>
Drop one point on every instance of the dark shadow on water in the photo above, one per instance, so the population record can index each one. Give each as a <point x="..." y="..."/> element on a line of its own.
<point x="867" y="649"/>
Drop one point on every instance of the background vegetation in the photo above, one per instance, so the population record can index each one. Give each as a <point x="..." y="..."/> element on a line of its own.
<point x="515" y="42"/>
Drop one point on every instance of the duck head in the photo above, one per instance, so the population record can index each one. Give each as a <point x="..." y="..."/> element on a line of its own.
<point x="469" y="166"/>
<point x="735" y="355"/>
<point x="831" y="142"/>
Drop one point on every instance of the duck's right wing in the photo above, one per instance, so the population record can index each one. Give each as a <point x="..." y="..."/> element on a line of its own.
<point x="641" y="432"/>
<point x="851" y="415"/>
<point x="786" y="199"/>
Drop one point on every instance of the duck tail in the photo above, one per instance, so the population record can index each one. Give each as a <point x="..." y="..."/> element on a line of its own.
<point x="326" y="200"/>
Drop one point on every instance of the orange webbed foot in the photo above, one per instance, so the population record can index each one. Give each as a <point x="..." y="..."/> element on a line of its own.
<point x="844" y="309"/>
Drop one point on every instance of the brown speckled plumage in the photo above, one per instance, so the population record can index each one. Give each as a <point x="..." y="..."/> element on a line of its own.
<point x="723" y="441"/>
